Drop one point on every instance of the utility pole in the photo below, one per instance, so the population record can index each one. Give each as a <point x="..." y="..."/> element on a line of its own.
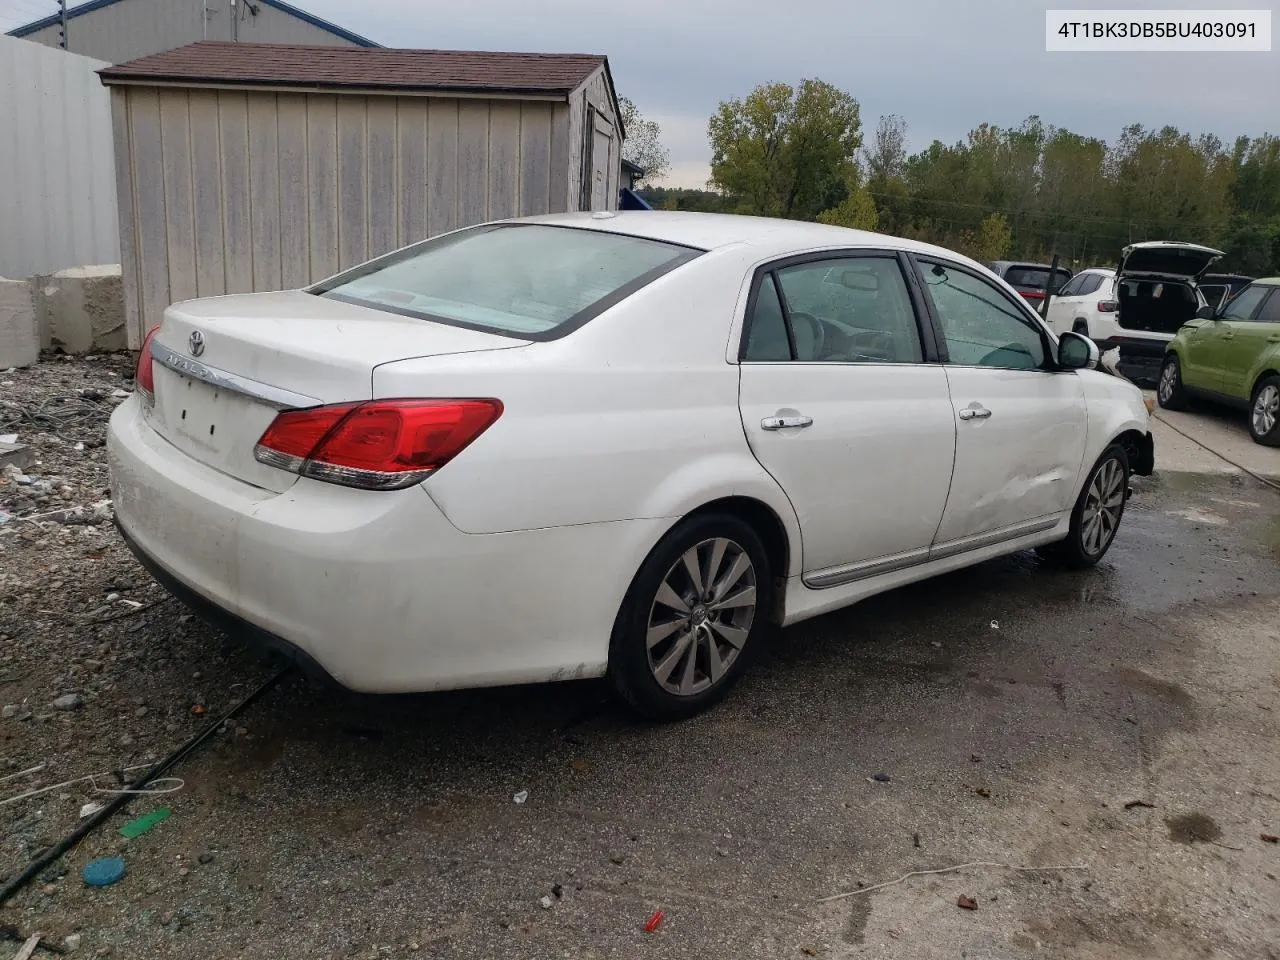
<point x="62" y="24"/>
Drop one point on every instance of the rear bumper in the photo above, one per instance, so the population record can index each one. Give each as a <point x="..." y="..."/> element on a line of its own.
<point x="224" y="619"/>
<point x="1136" y="348"/>
<point x="1140" y="357"/>
<point x="376" y="590"/>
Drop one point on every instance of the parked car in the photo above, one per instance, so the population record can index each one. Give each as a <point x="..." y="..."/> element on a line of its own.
<point x="1029" y="279"/>
<point x="1231" y="356"/>
<point x="1218" y="288"/>
<point x="1140" y="305"/>
<point x="621" y="444"/>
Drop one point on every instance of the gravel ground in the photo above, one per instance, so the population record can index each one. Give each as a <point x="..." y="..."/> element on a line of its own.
<point x="1124" y="720"/>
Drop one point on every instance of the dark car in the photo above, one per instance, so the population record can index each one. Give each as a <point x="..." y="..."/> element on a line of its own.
<point x="1218" y="288"/>
<point x="1029" y="279"/>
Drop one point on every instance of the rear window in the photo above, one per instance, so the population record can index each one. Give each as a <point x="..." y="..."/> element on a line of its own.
<point x="531" y="281"/>
<point x="1036" y="278"/>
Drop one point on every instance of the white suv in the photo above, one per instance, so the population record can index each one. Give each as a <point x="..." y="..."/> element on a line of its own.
<point x="1140" y="305"/>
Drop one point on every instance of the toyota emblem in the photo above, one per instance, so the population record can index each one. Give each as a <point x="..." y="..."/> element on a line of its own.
<point x="195" y="343"/>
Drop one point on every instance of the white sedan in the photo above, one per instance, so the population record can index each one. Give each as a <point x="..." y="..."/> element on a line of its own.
<point x="608" y="444"/>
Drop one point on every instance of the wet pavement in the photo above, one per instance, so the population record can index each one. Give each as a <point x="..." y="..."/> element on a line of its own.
<point x="1016" y="710"/>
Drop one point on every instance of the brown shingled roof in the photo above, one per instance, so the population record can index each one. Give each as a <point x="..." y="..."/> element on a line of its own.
<point x="220" y="62"/>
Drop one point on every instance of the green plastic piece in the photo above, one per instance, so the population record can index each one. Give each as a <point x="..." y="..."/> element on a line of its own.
<point x="136" y="828"/>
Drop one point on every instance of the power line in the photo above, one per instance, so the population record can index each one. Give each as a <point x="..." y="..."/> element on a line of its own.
<point x="908" y="198"/>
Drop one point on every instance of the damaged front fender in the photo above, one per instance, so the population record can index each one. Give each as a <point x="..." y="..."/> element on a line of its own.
<point x="1142" y="454"/>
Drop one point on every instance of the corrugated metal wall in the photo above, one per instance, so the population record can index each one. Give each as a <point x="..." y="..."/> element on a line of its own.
<point x="226" y="191"/>
<point x="57" y="200"/>
<point x="137" y="28"/>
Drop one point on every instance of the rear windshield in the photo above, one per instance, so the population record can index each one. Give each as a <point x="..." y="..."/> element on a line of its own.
<point x="523" y="280"/>
<point x="1035" y="277"/>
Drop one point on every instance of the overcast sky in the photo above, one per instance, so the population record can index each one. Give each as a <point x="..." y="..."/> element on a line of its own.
<point x="943" y="65"/>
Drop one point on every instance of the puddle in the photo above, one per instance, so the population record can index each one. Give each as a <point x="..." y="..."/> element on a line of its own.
<point x="1193" y="828"/>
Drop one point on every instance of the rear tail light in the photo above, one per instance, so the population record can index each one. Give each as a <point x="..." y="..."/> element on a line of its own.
<point x="375" y="445"/>
<point x="1108" y="306"/>
<point x="1032" y="295"/>
<point x="144" y="379"/>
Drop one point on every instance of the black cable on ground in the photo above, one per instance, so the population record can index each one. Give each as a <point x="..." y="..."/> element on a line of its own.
<point x="1239" y="466"/>
<point x="161" y="766"/>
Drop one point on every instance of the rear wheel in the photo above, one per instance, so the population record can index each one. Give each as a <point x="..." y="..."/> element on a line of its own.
<point x="692" y="617"/>
<point x="1170" y="392"/>
<point x="1264" y="412"/>
<point x="1081" y="327"/>
<point x="1096" y="516"/>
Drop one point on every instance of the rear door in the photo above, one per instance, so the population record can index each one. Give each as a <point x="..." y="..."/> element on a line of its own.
<point x="842" y="405"/>
<point x="1246" y="339"/>
<point x="1020" y="423"/>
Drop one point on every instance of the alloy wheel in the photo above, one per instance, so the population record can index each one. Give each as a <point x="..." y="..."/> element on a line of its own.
<point x="1102" y="507"/>
<point x="1266" y="410"/>
<point x="701" y="616"/>
<point x="1168" y="381"/>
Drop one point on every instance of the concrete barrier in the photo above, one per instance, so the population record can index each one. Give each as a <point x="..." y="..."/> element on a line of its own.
<point x="19" y="333"/>
<point x="81" y="309"/>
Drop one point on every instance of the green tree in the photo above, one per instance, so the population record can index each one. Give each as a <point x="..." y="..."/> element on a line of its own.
<point x="886" y="163"/>
<point x="643" y="143"/>
<point x="784" y="151"/>
<point x="857" y="211"/>
<point x="994" y="238"/>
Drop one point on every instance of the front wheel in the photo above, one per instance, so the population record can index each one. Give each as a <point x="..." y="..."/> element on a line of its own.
<point x="1096" y="516"/>
<point x="1264" y="412"/>
<point x="1170" y="391"/>
<point x="692" y="617"/>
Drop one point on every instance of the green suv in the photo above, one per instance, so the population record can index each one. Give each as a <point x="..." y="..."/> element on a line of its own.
<point x="1231" y="356"/>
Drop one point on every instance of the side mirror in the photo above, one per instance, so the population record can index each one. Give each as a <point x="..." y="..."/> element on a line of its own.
<point x="1077" y="352"/>
<point x="1205" y="313"/>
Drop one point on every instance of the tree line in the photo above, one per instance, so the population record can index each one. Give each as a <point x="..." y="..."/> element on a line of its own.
<point x="1024" y="192"/>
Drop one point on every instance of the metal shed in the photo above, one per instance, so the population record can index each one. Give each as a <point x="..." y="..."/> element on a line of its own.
<point x="242" y="168"/>
<point x="116" y="30"/>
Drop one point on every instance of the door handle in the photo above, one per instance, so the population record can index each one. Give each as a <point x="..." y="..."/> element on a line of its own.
<point x="975" y="411"/>
<point x="778" y="423"/>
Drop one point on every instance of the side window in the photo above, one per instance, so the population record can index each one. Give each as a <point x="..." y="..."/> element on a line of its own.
<point x="1073" y="287"/>
<point x="1092" y="281"/>
<point x="981" y="327"/>
<point x="1242" y="305"/>
<point x="851" y="310"/>
<point x="767" y="329"/>
<point x="1270" y="312"/>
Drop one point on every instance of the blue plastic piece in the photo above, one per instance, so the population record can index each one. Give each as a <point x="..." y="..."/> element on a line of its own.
<point x="103" y="872"/>
<point x="630" y="200"/>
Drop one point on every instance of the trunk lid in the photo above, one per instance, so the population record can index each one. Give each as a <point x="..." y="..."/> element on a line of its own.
<point x="1167" y="258"/>
<point x="224" y="367"/>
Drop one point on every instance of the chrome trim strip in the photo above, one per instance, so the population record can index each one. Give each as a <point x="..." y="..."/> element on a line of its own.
<point x="965" y="544"/>
<point x="864" y="569"/>
<point x="837" y="576"/>
<point x="262" y="392"/>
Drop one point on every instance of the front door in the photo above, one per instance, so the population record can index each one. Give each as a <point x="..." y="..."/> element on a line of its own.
<point x="1020" y="422"/>
<point x="1246" y="340"/>
<point x="840" y="405"/>
<point x="1063" y="306"/>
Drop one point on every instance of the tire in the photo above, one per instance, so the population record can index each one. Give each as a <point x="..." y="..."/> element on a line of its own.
<point x="689" y="629"/>
<point x="1081" y="326"/>
<point x="1170" y="393"/>
<point x="1264" y="412"/>
<point x="1083" y="546"/>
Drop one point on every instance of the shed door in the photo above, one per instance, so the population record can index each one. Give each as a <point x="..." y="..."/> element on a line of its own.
<point x="600" y="163"/>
